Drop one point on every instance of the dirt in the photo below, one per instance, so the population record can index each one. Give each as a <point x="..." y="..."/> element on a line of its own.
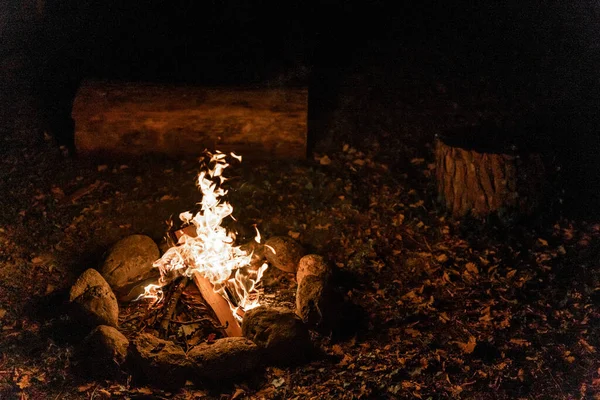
<point x="444" y="308"/>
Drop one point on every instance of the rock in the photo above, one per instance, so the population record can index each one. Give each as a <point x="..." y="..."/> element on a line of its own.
<point x="312" y="264"/>
<point x="128" y="263"/>
<point x="93" y="301"/>
<point x="283" y="253"/>
<point x="279" y="332"/>
<point x="313" y="302"/>
<point x="159" y="362"/>
<point x="224" y="359"/>
<point x="105" y="350"/>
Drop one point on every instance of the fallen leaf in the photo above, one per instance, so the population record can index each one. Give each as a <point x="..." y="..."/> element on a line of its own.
<point x="238" y="393"/>
<point x="520" y="342"/>
<point x="23" y="382"/>
<point x="337" y="349"/>
<point x="278" y="382"/>
<point x="85" y="388"/>
<point x="587" y="346"/>
<point x="443" y="316"/>
<point x="468" y="347"/>
<point x="472" y="268"/>
<point x="442" y="258"/>
<point x="325" y="160"/>
<point x="347" y="360"/>
<point x="412" y="332"/>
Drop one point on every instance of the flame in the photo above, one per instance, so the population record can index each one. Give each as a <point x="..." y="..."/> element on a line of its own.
<point x="211" y="251"/>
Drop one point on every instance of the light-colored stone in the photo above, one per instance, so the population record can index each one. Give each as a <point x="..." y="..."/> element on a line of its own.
<point x="93" y="301"/>
<point x="224" y="359"/>
<point x="282" y="335"/>
<point x="128" y="263"/>
<point x="313" y="264"/>
<point x="283" y="253"/>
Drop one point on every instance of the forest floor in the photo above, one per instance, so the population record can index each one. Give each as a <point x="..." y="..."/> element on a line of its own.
<point x="451" y="309"/>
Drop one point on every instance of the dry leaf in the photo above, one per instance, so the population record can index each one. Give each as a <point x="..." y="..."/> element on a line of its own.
<point x="587" y="346"/>
<point x="167" y="197"/>
<point x="238" y="393"/>
<point x="520" y="342"/>
<point x="85" y="388"/>
<point x="468" y="347"/>
<point x="472" y="268"/>
<point x="412" y="332"/>
<point x="443" y="316"/>
<point x="442" y="258"/>
<point x="23" y="382"/>
<point x="325" y="160"/>
<point x="337" y="349"/>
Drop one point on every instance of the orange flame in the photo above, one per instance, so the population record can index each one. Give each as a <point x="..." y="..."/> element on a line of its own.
<point x="212" y="252"/>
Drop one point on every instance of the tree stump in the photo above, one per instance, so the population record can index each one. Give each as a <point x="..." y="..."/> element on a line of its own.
<point x="478" y="177"/>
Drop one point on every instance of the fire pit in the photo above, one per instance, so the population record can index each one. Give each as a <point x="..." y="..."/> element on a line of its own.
<point x="197" y="308"/>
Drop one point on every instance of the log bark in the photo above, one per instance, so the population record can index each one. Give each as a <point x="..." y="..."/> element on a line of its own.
<point x="218" y="304"/>
<point x="113" y="118"/>
<point x="481" y="181"/>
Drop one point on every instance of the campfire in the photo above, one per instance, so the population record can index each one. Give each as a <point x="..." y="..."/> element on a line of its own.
<point x="206" y="251"/>
<point x="172" y="329"/>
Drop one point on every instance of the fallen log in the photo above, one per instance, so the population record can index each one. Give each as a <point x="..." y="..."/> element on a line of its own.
<point x="218" y="304"/>
<point x="113" y="118"/>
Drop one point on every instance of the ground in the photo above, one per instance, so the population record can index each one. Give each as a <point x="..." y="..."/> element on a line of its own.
<point x="452" y="309"/>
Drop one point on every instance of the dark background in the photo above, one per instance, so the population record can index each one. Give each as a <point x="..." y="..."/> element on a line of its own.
<point x="538" y="60"/>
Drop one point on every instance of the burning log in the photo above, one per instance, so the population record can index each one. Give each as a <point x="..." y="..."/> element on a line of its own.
<point x="134" y="118"/>
<point x="218" y="304"/>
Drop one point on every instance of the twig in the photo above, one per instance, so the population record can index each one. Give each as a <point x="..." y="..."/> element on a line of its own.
<point x="170" y="307"/>
<point x="143" y="316"/>
<point x="200" y="320"/>
<point x="83" y="192"/>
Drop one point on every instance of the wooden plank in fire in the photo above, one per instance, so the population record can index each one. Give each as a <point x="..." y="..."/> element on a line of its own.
<point x="218" y="304"/>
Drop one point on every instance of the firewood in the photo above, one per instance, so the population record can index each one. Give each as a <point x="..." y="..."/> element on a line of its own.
<point x="219" y="305"/>
<point x="189" y="230"/>
<point x="171" y="306"/>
